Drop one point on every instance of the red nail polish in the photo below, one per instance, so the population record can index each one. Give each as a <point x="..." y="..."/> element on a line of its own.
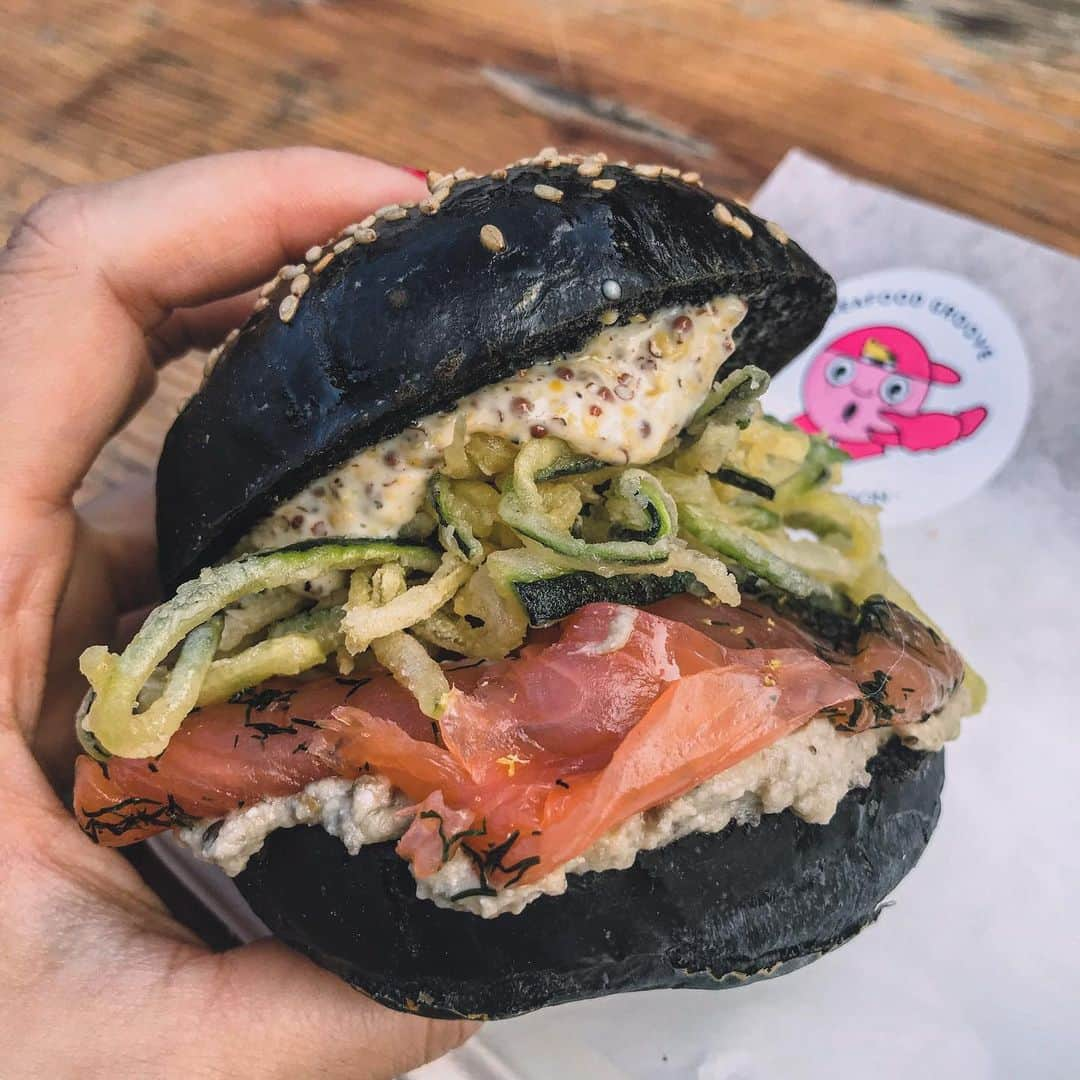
<point x="420" y="174"/>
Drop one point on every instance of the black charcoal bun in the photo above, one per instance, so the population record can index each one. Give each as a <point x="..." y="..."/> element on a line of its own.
<point x="706" y="912"/>
<point x="402" y="315"/>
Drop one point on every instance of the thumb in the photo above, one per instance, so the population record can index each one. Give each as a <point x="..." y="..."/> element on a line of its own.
<point x="266" y="1004"/>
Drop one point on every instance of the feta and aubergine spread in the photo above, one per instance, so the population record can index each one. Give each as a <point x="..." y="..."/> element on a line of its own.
<point x="487" y="567"/>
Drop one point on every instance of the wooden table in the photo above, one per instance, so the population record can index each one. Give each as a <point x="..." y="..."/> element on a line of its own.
<point x="974" y="104"/>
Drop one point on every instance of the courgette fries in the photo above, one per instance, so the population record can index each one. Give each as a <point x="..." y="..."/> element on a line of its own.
<point x="511" y="536"/>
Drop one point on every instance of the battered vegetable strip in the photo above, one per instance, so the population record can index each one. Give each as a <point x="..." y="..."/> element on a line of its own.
<point x="455" y="532"/>
<point x="289" y="654"/>
<point x="366" y="622"/>
<point x="149" y="732"/>
<point x="486" y="621"/>
<point x="734" y="478"/>
<point x="509" y="517"/>
<point x="117" y="680"/>
<point x="256" y="612"/>
<point x="411" y="665"/>
<point x="292" y="646"/>
<point x="740" y="546"/>
<point x="732" y="400"/>
<point x="522" y="509"/>
<point x="320" y="624"/>
<point x="509" y="568"/>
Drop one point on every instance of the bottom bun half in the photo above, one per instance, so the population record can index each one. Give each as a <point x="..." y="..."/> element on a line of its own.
<point x="706" y="912"/>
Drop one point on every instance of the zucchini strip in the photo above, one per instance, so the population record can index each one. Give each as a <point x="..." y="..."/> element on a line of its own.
<point x="182" y="688"/>
<point x="508" y="569"/>
<point x="740" y="480"/>
<point x="387" y="583"/>
<point x="365" y="623"/>
<point x="321" y="624"/>
<point x="487" y="620"/>
<point x="491" y="454"/>
<point x="288" y="654"/>
<point x="412" y="666"/>
<point x="709" y="571"/>
<point x="569" y="465"/>
<point x="829" y="514"/>
<point x="456" y="461"/>
<point x="486" y="600"/>
<point x="548" y="600"/>
<point x="291" y="647"/>
<point x="732" y="400"/>
<point x="89" y="745"/>
<point x="117" y="680"/>
<point x="149" y="732"/>
<point x="455" y="533"/>
<point x="816" y="469"/>
<point x="740" y="546"/>
<point x="521" y="507"/>
<point x="256" y="612"/>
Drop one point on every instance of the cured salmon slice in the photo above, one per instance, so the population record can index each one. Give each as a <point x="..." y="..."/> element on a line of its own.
<point x="537" y="756"/>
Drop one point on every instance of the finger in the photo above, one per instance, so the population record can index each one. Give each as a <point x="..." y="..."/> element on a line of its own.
<point x="206" y="228"/>
<point x="120" y="530"/>
<point x="200" y="327"/>
<point x="309" y="1022"/>
<point x="112" y="570"/>
<point x="91" y="271"/>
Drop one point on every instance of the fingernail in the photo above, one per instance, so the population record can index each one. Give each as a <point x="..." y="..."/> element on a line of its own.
<point x="420" y="174"/>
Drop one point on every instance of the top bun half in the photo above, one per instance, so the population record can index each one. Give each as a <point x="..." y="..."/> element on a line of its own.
<point x="414" y="308"/>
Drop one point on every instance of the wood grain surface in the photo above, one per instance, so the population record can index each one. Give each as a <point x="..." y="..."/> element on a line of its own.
<point x="973" y="105"/>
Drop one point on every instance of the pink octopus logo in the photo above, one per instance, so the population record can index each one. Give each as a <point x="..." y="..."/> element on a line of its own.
<point x="865" y="390"/>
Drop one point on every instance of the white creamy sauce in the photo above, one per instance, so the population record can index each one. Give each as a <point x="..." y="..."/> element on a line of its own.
<point x="945" y="726"/>
<point x="621" y="398"/>
<point x="809" y="772"/>
<point x="357" y="812"/>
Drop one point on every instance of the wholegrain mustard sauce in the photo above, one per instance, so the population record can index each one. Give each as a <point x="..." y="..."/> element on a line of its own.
<point x="621" y="399"/>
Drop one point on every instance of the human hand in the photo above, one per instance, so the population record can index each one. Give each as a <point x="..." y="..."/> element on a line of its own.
<point x="98" y="287"/>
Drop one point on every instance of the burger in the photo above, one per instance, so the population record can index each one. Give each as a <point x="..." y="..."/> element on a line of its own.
<point x="513" y="656"/>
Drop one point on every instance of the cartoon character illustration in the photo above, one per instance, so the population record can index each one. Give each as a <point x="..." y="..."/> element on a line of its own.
<point x="865" y="391"/>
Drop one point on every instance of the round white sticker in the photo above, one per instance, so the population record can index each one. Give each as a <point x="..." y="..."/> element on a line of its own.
<point x="921" y="377"/>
